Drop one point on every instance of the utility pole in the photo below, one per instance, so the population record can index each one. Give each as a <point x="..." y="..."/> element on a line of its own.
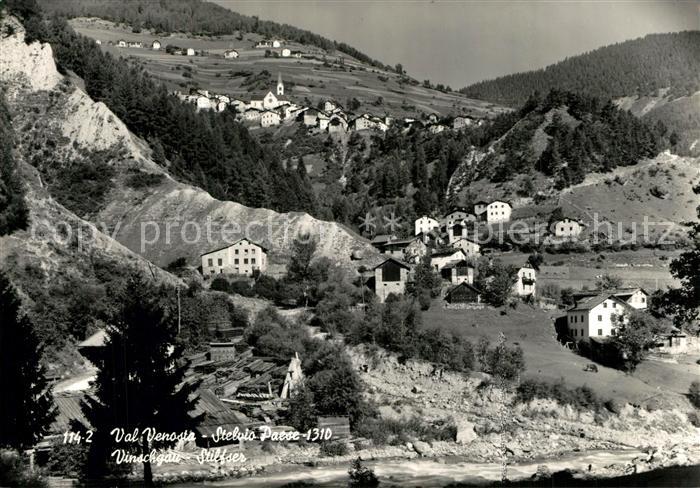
<point x="178" y="310"/>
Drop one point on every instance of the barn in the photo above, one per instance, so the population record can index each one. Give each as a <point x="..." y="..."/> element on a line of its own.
<point x="463" y="293"/>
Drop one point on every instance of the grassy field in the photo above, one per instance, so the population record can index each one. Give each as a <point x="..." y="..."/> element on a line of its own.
<point x="654" y="383"/>
<point x="306" y="79"/>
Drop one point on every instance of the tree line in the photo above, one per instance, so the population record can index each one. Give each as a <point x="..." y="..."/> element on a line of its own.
<point x="210" y="150"/>
<point x="635" y="67"/>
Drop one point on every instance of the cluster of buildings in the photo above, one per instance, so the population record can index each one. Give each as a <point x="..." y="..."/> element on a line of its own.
<point x="272" y="109"/>
<point x="595" y="316"/>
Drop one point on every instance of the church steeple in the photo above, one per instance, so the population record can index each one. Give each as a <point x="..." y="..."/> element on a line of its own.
<point x="280" y="85"/>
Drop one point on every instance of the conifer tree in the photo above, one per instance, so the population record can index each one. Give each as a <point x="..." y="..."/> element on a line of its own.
<point x="25" y="403"/>
<point x="140" y="379"/>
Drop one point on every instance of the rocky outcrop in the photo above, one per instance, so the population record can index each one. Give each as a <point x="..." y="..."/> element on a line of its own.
<point x="24" y="66"/>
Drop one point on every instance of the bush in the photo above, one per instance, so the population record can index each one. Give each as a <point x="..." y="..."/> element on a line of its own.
<point x="220" y="283"/>
<point x="361" y="476"/>
<point x="694" y="393"/>
<point x="141" y="179"/>
<point x="396" y="432"/>
<point x="334" y="448"/>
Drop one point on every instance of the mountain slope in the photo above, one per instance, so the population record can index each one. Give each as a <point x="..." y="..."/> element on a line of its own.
<point x="64" y="130"/>
<point x="637" y="67"/>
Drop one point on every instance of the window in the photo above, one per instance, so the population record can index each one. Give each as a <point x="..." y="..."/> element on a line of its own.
<point x="614" y="305"/>
<point x="600" y="332"/>
<point x="600" y="318"/>
<point x="221" y="261"/>
<point x="235" y="261"/>
<point x="235" y="251"/>
<point x="605" y="305"/>
<point x="211" y="262"/>
<point x="582" y="334"/>
<point x="575" y="332"/>
<point x="221" y="270"/>
<point x="245" y="261"/>
<point x="252" y="260"/>
<point x="582" y="318"/>
<point x="644" y="299"/>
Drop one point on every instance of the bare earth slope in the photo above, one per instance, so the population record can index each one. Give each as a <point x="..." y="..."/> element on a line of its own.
<point x="76" y="125"/>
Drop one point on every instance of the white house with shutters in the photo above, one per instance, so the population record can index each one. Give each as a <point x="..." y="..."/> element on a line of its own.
<point x="493" y="212"/>
<point x="243" y="257"/>
<point x="425" y="224"/>
<point x="567" y="227"/>
<point x="527" y="281"/>
<point x="595" y="316"/>
<point x="269" y="118"/>
<point x="441" y="258"/>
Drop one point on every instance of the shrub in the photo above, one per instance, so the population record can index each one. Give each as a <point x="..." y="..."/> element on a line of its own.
<point x="334" y="448"/>
<point x="694" y="393"/>
<point x="141" y="179"/>
<point x="361" y="476"/>
<point x="220" y="283"/>
<point x="581" y="397"/>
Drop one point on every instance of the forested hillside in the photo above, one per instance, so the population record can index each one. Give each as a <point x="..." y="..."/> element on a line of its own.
<point x="566" y="136"/>
<point x="193" y="16"/>
<point x="206" y="149"/>
<point x="636" y="67"/>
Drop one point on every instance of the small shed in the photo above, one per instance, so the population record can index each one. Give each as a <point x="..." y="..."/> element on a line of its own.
<point x="463" y="293"/>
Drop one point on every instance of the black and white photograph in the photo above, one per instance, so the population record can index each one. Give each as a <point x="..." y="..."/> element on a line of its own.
<point x="349" y="243"/>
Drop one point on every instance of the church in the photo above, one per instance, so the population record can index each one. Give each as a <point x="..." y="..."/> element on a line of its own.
<point x="271" y="100"/>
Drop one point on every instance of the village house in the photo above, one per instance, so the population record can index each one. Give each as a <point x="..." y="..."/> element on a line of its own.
<point x="379" y="240"/>
<point x="460" y="122"/>
<point x="526" y="283"/>
<point x="323" y="120"/>
<point x="337" y="124"/>
<point x="436" y="128"/>
<point x="243" y="257"/>
<point x="463" y="293"/>
<point x="409" y="250"/>
<point x="425" y="224"/>
<point x="135" y="44"/>
<point x="203" y="103"/>
<point x="595" y="316"/>
<point x="263" y="44"/>
<point x="330" y="106"/>
<point x="455" y="216"/>
<point x="230" y="54"/>
<point x="252" y="114"/>
<point x="673" y="341"/>
<point x="276" y="43"/>
<point x="441" y="258"/>
<point x="121" y="43"/>
<point x="433" y="118"/>
<point x="190" y="51"/>
<point x="470" y="248"/>
<point x="457" y="272"/>
<point x="156" y="45"/>
<point x="390" y="277"/>
<point x="286" y="52"/>
<point x="496" y="211"/>
<point x="637" y="298"/>
<point x="567" y="228"/>
<point x="222" y="351"/>
<point x="269" y="118"/>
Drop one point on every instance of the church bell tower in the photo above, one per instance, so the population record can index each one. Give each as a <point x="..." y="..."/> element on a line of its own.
<point x="280" y="85"/>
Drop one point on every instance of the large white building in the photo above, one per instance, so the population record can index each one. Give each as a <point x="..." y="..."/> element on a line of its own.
<point x="496" y="211"/>
<point x="595" y="316"/>
<point x="243" y="257"/>
<point x="425" y="224"/>
<point x="269" y="118"/>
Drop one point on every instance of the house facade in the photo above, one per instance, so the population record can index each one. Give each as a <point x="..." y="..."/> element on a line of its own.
<point x="458" y="272"/>
<point x="456" y="216"/>
<point x="567" y="228"/>
<point x="243" y="257"/>
<point x="440" y="259"/>
<point x="425" y="224"/>
<point x="527" y="281"/>
<point x="230" y="54"/>
<point x="190" y="51"/>
<point x="595" y="317"/>
<point x="461" y="122"/>
<point x="635" y="297"/>
<point x="269" y="118"/>
<point x="463" y="293"/>
<point x="156" y="45"/>
<point x="470" y="248"/>
<point x="496" y="211"/>
<point x="409" y="250"/>
<point x="390" y="277"/>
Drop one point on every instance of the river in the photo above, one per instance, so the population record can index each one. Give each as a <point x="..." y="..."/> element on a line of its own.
<point x="437" y="473"/>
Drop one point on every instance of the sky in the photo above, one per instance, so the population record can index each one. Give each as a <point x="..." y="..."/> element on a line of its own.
<point x="461" y="42"/>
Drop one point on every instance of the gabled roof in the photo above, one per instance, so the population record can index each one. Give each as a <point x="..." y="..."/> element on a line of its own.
<point x="465" y="239"/>
<point x="588" y="303"/>
<point x="382" y="238"/>
<point x="462" y="284"/>
<point x="97" y="339"/>
<point x="445" y="252"/>
<point x="462" y="263"/>
<point x="619" y="292"/>
<point x="233" y="244"/>
<point x="402" y="242"/>
<point x="400" y="263"/>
